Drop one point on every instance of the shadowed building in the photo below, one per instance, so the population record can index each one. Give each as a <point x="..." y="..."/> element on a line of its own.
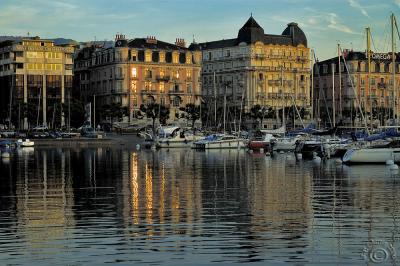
<point x="265" y="69"/>
<point x="372" y="93"/>
<point x="38" y="75"/>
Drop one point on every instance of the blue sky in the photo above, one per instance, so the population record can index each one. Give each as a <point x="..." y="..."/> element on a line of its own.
<point x="325" y="22"/>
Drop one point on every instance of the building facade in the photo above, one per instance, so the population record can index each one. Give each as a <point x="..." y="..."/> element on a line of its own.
<point x="372" y="90"/>
<point x="36" y="78"/>
<point x="139" y="71"/>
<point x="258" y="68"/>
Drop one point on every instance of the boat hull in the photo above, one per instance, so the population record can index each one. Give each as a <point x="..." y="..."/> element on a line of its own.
<point x="372" y="156"/>
<point x="257" y="145"/>
<point x="232" y="144"/>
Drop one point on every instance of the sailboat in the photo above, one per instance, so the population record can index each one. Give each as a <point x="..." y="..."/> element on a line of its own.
<point x="382" y="153"/>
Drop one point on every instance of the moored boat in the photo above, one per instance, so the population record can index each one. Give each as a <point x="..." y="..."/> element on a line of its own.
<point x="262" y="141"/>
<point x="373" y="155"/>
<point x="219" y="141"/>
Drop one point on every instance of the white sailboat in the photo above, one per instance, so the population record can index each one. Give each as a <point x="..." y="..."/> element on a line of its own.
<point x="175" y="137"/>
<point x="219" y="141"/>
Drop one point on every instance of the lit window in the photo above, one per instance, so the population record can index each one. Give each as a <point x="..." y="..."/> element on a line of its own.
<point x="162" y="86"/>
<point x="134" y="72"/>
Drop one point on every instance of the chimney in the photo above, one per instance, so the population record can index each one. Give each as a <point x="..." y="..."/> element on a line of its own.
<point x="119" y="37"/>
<point x="180" y="42"/>
<point x="151" y="39"/>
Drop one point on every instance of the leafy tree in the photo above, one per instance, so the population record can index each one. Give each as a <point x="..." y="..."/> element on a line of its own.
<point x="154" y="110"/>
<point x="192" y="112"/>
<point x="258" y="113"/>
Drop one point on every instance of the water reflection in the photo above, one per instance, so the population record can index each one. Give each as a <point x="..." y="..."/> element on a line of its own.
<point x="181" y="206"/>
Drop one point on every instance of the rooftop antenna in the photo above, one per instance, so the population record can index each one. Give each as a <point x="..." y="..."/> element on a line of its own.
<point x="194" y="40"/>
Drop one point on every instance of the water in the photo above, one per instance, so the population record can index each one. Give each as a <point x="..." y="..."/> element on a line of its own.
<point x="179" y="207"/>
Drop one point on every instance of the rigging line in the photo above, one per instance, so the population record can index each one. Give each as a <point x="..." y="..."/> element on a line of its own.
<point x="386" y="37"/>
<point x="355" y="93"/>
<point x="320" y="89"/>
<point x="373" y="43"/>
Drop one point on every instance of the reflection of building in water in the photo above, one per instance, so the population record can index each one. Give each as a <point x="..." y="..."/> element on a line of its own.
<point x="281" y="196"/>
<point x="165" y="190"/>
<point x="44" y="196"/>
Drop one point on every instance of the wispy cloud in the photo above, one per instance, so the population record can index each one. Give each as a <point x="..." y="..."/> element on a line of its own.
<point x="336" y="24"/>
<point x="397" y="2"/>
<point x="356" y="5"/>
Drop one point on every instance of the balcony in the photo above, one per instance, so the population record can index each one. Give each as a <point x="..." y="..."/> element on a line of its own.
<point x="382" y="85"/>
<point x="148" y="91"/>
<point x="273" y="95"/>
<point x="176" y="92"/>
<point x="260" y="95"/>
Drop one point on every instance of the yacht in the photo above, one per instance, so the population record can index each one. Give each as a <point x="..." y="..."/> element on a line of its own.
<point x="176" y="137"/>
<point x="219" y="141"/>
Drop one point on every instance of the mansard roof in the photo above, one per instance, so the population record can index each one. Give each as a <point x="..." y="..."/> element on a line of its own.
<point x="252" y="32"/>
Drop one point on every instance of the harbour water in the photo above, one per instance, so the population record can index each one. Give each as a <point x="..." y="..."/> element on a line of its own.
<point x="178" y="207"/>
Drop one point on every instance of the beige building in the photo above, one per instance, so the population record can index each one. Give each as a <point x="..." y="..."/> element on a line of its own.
<point x="38" y="75"/>
<point x="140" y="71"/>
<point x="265" y="69"/>
<point x="374" y="92"/>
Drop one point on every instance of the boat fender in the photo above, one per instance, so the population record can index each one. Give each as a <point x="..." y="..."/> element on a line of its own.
<point x="338" y="161"/>
<point x="394" y="167"/>
<point x="316" y="159"/>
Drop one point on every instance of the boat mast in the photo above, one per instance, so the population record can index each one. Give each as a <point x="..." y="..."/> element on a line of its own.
<point x="283" y="101"/>
<point x="369" y="73"/>
<point x="333" y="95"/>
<point x="312" y="85"/>
<point x="215" y="102"/>
<point x="225" y="107"/>
<point x="340" y="84"/>
<point x="392" y="19"/>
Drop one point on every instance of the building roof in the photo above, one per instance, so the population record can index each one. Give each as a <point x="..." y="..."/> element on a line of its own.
<point x="252" y="32"/>
<point x="142" y="43"/>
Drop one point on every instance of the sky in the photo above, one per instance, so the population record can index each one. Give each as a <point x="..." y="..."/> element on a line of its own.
<point x="325" y="22"/>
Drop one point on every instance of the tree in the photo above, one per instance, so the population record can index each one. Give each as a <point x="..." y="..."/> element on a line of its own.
<point x="113" y="111"/>
<point x="192" y="112"/>
<point x="258" y="112"/>
<point x="154" y="110"/>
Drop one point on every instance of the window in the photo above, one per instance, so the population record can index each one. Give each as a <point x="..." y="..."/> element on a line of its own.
<point x="148" y="73"/>
<point x="228" y="53"/>
<point x="162" y="87"/>
<point x="177" y="101"/>
<point x="188" y="74"/>
<point x="147" y="85"/>
<point x="209" y="55"/>
<point x="189" y="88"/>
<point x="148" y="56"/>
<point x="134" y="72"/>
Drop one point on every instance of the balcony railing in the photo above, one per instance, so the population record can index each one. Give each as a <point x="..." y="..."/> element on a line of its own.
<point x="382" y="85"/>
<point x="163" y="78"/>
<point x="176" y="92"/>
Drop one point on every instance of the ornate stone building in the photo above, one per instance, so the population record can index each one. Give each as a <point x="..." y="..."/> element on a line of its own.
<point x="374" y="93"/>
<point x="38" y="75"/>
<point x="270" y="70"/>
<point x="140" y="71"/>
